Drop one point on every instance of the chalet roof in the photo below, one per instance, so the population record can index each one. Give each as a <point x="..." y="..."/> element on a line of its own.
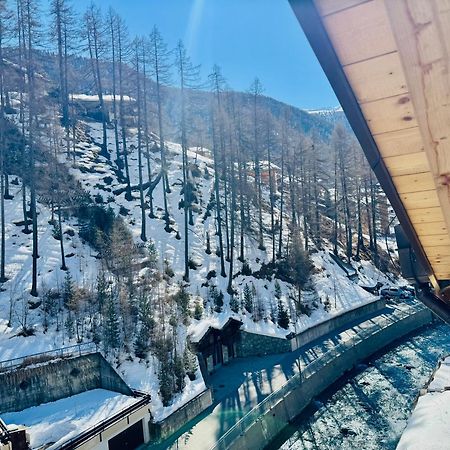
<point x="388" y="62"/>
<point x="203" y="334"/>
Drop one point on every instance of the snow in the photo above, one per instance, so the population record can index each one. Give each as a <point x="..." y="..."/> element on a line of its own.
<point x="94" y="98"/>
<point x="329" y="282"/>
<point x="54" y="423"/>
<point x="143" y="377"/>
<point x="428" y="425"/>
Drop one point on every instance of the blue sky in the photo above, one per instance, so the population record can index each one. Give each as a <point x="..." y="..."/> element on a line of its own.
<point x="247" y="38"/>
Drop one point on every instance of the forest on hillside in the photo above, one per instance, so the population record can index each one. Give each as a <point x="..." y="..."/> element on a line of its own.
<point x="252" y="190"/>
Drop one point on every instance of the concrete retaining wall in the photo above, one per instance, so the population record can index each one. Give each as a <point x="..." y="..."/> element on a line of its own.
<point x="336" y="322"/>
<point x="252" y="344"/>
<point x="33" y="385"/>
<point x="262" y="431"/>
<point x="161" y="430"/>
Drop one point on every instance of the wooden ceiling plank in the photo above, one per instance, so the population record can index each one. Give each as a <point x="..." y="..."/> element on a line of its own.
<point x="437" y="251"/>
<point x="422" y="34"/>
<point x="419" y="200"/>
<point x="407" y="164"/>
<point x="400" y="142"/>
<point x="414" y="183"/>
<point x="377" y="78"/>
<point x="425" y="230"/>
<point x="436" y="240"/>
<point x="326" y="7"/>
<point x="389" y="114"/>
<point x="361" y="32"/>
<point x="426" y="215"/>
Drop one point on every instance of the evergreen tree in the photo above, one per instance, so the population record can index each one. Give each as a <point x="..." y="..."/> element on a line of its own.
<point x="111" y="324"/>
<point x="142" y="344"/>
<point x="68" y="290"/>
<point x="248" y="298"/>
<point x="166" y="381"/>
<point x="198" y="310"/>
<point x="70" y="326"/>
<point x="208" y="244"/>
<point x="102" y="290"/>
<point x="234" y="303"/>
<point x="283" y="316"/>
<point x="277" y="290"/>
<point x="179" y="373"/>
<point x="218" y="301"/>
<point x="182" y="299"/>
<point x="190" y="363"/>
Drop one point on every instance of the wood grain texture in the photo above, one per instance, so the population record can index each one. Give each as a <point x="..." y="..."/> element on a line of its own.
<point x="407" y="164"/>
<point x="326" y="7"/>
<point x="420" y="200"/>
<point x="361" y="32"/>
<point x="400" y="142"/>
<point x="389" y="114"/>
<point x="414" y="183"/>
<point x="422" y="33"/>
<point x="377" y="78"/>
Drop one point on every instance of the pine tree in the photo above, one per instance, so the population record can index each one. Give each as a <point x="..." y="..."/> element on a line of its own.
<point x="166" y="381"/>
<point x="182" y="299"/>
<point x="218" y="302"/>
<point x="277" y="290"/>
<point x="190" y="363"/>
<point x="142" y="344"/>
<point x="248" y="298"/>
<point x="102" y="290"/>
<point x="152" y="253"/>
<point x="198" y="310"/>
<point x="111" y="324"/>
<point x="283" y="316"/>
<point x="68" y="290"/>
<point x="180" y="373"/>
<point x="70" y="326"/>
<point x="234" y="303"/>
<point x="208" y="244"/>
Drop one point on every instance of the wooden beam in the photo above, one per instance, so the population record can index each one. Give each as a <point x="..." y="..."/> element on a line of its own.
<point x="422" y="33"/>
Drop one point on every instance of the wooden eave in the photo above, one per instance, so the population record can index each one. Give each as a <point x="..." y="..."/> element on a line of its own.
<point x="389" y="64"/>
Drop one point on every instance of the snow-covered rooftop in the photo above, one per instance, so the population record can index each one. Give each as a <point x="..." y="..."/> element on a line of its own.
<point x="56" y="422"/>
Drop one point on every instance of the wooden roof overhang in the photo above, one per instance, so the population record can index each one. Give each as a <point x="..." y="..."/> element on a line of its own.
<point x="389" y="64"/>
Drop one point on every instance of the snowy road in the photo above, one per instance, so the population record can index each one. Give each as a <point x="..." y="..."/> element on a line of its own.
<point x="242" y="384"/>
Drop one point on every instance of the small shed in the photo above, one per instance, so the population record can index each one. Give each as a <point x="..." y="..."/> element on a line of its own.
<point x="217" y="345"/>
